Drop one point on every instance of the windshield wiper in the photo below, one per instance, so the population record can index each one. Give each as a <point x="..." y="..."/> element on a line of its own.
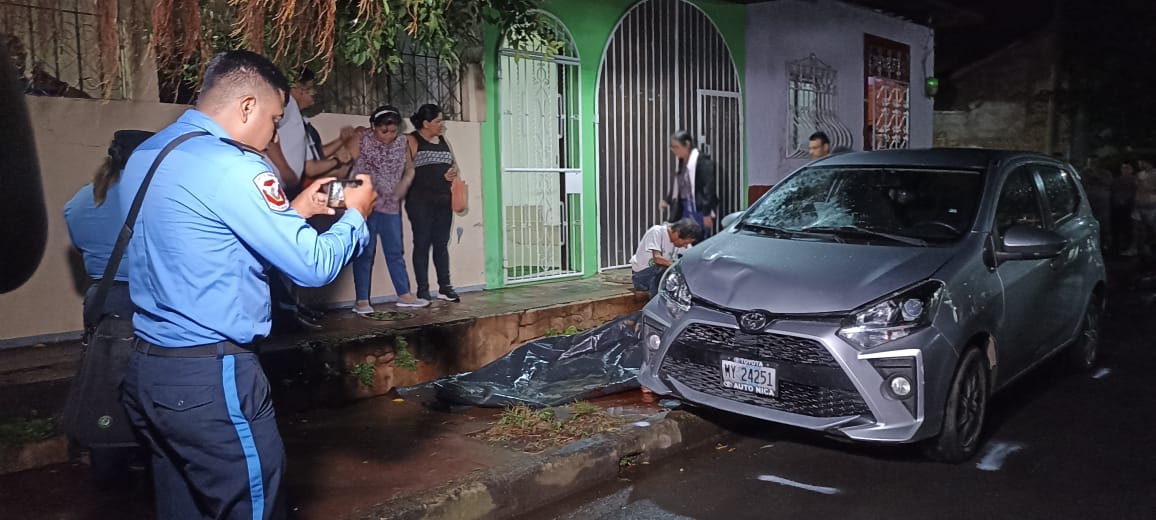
<point x="911" y="241"/>
<point x="788" y="233"/>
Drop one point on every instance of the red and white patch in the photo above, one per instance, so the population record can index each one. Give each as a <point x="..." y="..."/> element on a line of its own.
<point x="271" y="190"/>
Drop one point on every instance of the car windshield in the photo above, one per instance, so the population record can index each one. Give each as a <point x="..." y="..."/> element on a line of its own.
<point x="892" y="205"/>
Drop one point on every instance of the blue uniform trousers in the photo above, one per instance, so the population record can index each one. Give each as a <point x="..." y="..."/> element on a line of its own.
<point x="209" y="422"/>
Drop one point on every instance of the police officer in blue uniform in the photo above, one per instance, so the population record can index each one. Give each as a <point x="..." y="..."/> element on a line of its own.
<point x="94" y="217"/>
<point x="214" y="219"/>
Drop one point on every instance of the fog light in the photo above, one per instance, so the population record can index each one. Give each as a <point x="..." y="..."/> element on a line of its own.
<point x="653" y="342"/>
<point x="900" y="386"/>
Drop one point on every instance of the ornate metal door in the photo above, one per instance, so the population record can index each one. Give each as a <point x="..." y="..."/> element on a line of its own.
<point x="662" y="55"/>
<point x="541" y="172"/>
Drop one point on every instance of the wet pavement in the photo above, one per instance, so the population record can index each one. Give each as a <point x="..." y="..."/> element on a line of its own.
<point x="340" y="461"/>
<point x="1060" y="445"/>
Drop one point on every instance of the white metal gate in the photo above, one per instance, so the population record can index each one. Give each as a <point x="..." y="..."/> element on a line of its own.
<point x="666" y="68"/>
<point x="541" y="182"/>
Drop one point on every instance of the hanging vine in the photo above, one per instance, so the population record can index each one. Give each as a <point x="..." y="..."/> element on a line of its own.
<point x="364" y="33"/>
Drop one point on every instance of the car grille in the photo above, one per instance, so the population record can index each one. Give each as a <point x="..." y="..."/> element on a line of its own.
<point x="810" y="381"/>
<point x="779" y="347"/>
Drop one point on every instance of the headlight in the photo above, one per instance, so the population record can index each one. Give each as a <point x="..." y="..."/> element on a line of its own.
<point x="896" y="317"/>
<point x="675" y="292"/>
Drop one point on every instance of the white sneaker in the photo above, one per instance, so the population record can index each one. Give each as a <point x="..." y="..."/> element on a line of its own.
<point x="417" y="303"/>
<point x="363" y="309"/>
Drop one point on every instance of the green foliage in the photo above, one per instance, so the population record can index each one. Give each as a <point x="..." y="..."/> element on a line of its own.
<point x="403" y="358"/>
<point x="19" y="430"/>
<point x="364" y="373"/>
<point x="569" y="331"/>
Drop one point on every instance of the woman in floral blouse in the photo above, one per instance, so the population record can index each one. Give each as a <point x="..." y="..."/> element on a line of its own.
<point x="383" y="155"/>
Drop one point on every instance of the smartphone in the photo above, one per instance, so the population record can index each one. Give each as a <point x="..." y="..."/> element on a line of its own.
<point x="337" y="192"/>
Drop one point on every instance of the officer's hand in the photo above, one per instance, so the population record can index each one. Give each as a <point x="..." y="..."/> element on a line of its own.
<point x="361" y="198"/>
<point x="315" y="199"/>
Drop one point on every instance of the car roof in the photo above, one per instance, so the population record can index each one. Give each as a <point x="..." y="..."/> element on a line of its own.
<point x="962" y="158"/>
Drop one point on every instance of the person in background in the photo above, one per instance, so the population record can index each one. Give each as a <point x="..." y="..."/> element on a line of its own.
<point x="659" y="248"/>
<point x="215" y="216"/>
<point x="694" y="194"/>
<point x="428" y="201"/>
<point x="94" y="218"/>
<point x="1123" y="204"/>
<point x="1145" y="207"/>
<point x="818" y="146"/>
<point x="300" y="158"/>
<point x="383" y="154"/>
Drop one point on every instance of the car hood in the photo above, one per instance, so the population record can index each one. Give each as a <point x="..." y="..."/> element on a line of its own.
<point x="741" y="271"/>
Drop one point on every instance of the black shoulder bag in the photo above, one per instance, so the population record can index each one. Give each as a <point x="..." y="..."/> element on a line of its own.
<point x="93" y="415"/>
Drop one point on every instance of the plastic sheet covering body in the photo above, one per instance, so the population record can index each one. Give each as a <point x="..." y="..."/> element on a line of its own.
<point x="554" y="371"/>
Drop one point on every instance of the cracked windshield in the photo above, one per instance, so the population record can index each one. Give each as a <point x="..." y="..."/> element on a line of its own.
<point x="904" y="206"/>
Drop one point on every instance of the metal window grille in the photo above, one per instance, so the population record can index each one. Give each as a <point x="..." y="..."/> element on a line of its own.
<point x="811" y="106"/>
<point x="888" y="71"/>
<point x="542" y="224"/>
<point x="420" y="79"/>
<point x="57" y="44"/>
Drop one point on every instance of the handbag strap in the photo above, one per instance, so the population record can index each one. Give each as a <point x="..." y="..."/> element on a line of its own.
<point x="95" y="309"/>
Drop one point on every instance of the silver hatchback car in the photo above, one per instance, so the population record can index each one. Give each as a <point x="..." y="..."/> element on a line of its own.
<point x="884" y="296"/>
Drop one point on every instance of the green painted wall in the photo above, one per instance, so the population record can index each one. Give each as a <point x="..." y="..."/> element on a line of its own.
<point x="591" y="23"/>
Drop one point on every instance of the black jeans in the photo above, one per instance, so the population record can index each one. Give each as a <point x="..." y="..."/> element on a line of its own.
<point x="430" y="223"/>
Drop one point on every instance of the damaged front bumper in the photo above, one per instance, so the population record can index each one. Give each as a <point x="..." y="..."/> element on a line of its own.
<point x="821" y="382"/>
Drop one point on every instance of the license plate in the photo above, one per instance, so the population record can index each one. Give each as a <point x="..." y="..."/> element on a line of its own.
<point x="749" y="375"/>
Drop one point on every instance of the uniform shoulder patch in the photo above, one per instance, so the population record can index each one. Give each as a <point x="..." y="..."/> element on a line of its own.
<point x="271" y="191"/>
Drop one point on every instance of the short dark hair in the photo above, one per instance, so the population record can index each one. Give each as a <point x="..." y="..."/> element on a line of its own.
<point x="684" y="138"/>
<point x="305" y="75"/>
<point x="232" y="69"/>
<point x="423" y="114"/>
<point x="821" y="137"/>
<point x="687" y="228"/>
<point x="385" y="115"/>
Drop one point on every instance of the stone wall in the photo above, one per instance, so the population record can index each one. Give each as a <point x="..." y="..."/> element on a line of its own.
<point x="72" y="137"/>
<point x="1002" y="101"/>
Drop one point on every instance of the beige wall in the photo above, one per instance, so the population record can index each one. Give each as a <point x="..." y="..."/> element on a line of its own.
<point x="72" y="137"/>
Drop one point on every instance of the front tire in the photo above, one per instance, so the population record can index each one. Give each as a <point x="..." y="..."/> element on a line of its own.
<point x="964" y="413"/>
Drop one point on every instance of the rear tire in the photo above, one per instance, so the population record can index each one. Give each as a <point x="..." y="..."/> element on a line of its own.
<point x="1084" y="353"/>
<point x="964" y="413"/>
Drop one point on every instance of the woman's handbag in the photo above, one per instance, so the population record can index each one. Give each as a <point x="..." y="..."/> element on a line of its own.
<point x="459" y="193"/>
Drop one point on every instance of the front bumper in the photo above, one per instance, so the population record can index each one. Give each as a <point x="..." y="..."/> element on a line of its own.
<point x="824" y="383"/>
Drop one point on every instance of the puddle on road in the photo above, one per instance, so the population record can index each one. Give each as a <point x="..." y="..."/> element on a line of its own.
<point x="808" y="487"/>
<point x="996" y="454"/>
<point x="1101" y="373"/>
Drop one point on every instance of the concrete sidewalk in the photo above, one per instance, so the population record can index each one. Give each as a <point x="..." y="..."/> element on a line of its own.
<point x="353" y="358"/>
<point x="386" y="458"/>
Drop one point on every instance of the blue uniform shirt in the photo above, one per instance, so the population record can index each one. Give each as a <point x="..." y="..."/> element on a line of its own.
<point x="214" y="219"/>
<point x="93" y="230"/>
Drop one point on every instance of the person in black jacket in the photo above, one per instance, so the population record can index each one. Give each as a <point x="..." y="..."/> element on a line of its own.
<point x="693" y="194"/>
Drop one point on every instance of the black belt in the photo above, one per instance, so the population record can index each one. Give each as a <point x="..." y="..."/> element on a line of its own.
<point x="224" y="348"/>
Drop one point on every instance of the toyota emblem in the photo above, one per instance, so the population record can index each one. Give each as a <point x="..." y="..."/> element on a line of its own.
<point x="754" y="321"/>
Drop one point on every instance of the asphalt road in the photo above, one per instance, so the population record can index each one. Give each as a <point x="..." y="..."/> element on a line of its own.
<point x="1060" y="445"/>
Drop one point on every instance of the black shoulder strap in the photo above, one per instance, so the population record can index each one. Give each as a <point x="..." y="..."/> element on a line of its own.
<point x="95" y="309"/>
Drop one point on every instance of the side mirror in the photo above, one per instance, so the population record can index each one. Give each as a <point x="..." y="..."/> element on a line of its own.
<point x="1030" y="243"/>
<point x="731" y="219"/>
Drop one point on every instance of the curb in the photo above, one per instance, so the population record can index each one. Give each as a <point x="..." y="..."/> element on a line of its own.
<point x="516" y="488"/>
